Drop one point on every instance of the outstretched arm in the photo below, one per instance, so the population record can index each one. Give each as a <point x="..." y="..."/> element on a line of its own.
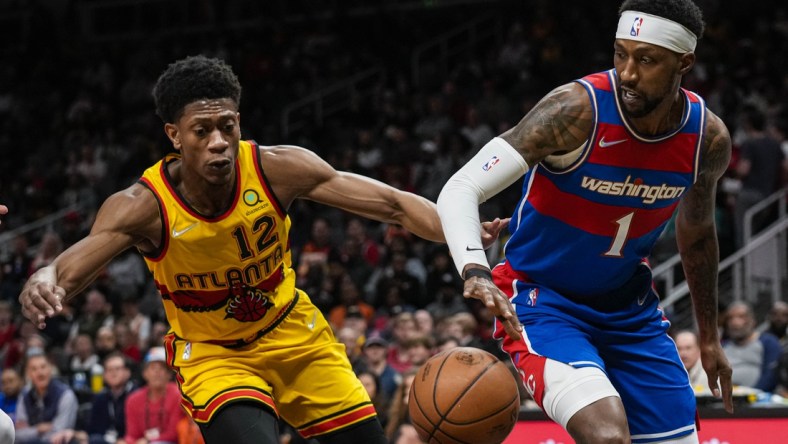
<point x="697" y="243"/>
<point x="558" y="124"/>
<point x="127" y="218"/>
<point x="295" y="172"/>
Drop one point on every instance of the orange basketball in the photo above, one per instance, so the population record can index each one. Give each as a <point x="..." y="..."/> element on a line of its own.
<point x="465" y="396"/>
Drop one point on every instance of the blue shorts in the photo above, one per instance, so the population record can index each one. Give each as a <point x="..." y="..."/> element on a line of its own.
<point x="623" y="335"/>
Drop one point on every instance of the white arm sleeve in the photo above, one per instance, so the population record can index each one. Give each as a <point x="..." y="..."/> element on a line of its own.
<point x="496" y="166"/>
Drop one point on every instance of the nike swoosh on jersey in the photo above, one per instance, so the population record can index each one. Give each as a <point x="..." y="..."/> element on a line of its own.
<point x="467" y="248"/>
<point x="179" y="233"/>
<point x="604" y="144"/>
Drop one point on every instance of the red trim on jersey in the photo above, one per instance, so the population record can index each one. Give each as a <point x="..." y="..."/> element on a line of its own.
<point x="258" y="167"/>
<point x="574" y="210"/>
<point x="599" y="80"/>
<point x="204" y="414"/>
<point x="165" y="221"/>
<point x="361" y="413"/>
<point x="210" y="298"/>
<point x="676" y="154"/>
<point x="188" y="208"/>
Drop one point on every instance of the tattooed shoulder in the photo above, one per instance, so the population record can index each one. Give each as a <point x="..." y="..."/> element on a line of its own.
<point x="716" y="153"/>
<point x="561" y="121"/>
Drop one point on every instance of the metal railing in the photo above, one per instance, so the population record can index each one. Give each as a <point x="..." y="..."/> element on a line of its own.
<point x="758" y="272"/>
<point x="315" y="107"/>
<point x="457" y="43"/>
<point x="46" y="223"/>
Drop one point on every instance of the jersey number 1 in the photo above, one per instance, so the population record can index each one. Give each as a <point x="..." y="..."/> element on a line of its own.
<point x="621" y="235"/>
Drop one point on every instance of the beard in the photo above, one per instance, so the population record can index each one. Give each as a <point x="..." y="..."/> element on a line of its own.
<point x="641" y="108"/>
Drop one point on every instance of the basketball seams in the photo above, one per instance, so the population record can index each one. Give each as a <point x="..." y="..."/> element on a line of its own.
<point x="451" y="383"/>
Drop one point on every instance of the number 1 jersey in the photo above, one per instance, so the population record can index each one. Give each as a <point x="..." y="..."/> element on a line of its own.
<point x="583" y="228"/>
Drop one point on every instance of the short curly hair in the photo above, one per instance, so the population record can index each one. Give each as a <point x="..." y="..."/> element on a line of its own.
<point x="684" y="12"/>
<point x="193" y="78"/>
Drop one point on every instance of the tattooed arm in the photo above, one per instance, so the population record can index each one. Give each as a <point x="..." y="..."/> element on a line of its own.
<point x="558" y="124"/>
<point x="561" y="122"/>
<point x="697" y="242"/>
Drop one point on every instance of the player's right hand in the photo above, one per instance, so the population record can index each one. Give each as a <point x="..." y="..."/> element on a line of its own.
<point x="486" y="291"/>
<point x="41" y="300"/>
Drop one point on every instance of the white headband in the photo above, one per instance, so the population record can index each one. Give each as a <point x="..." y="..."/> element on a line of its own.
<point x="634" y="25"/>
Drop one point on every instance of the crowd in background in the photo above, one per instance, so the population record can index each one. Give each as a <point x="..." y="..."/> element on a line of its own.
<point x="77" y="123"/>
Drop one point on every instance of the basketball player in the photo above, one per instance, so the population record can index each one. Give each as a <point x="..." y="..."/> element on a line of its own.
<point x="212" y="224"/>
<point x="606" y="159"/>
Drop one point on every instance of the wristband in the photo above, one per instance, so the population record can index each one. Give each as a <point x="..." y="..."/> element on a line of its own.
<point x="478" y="272"/>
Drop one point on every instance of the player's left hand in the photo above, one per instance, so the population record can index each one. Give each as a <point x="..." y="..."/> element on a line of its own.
<point x="491" y="230"/>
<point x="486" y="291"/>
<point x="716" y="365"/>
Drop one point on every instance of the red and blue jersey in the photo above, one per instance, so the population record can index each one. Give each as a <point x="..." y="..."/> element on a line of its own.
<point x="583" y="229"/>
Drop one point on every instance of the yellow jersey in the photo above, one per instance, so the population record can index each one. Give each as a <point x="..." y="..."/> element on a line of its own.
<point x="226" y="279"/>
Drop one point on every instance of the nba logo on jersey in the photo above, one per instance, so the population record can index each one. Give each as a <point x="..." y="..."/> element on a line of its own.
<point x="491" y="163"/>
<point x="532" y="295"/>
<point x="635" y="31"/>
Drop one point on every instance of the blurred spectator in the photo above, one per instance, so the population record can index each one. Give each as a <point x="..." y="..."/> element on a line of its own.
<point x="448" y="300"/>
<point x="16" y="269"/>
<point x="425" y="323"/>
<point x="760" y="169"/>
<point x="108" y="411"/>
<point x="95" y="313"/>
<point x="352" y="341"/>
<point x="139" y="323"/>
<point x="126" y="277"/>
<point x="778" y="322"/>
<point x="7" y="332"/>
<point x="106" y="342"/>
<point x="371" y="383"/>
<point x="477" y="133"/>
<point x="462" y="326"/>
<point x="356" y="231"/>
<point x="418" y="350"/>
<point x="350" y="300"/>
<point x="403" y="327"/>
<point x="373" y="360"/>
<point x="189" y="432"/>
<point x="47" y="407"/>
<point x="753" y="356"/>
<point x="83" y="357"/>
<point x="153" y="411"/>
<point x="689" y="352"/>
<point x="51" y="246"/>
<point x="107" y="420"/>
<point x="396" y="275"/>
<point x="11" y="384"/>
<point x="398" y="418"/>
<point x="435" y="121"/>
<point x="127" y="342"/>
<point x="313" y="257"/>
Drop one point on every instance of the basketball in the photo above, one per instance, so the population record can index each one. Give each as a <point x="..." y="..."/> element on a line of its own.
<point x="464" y="396"/>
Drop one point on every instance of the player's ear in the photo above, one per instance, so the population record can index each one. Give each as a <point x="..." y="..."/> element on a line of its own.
<point x="172" y="133"/>
<point x="686" y="62"/>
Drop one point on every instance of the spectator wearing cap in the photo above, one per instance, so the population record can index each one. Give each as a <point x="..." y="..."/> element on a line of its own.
<point x="373" y="360"/>
<point x="153" y="411"/>
<point x="47" y="407"/>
